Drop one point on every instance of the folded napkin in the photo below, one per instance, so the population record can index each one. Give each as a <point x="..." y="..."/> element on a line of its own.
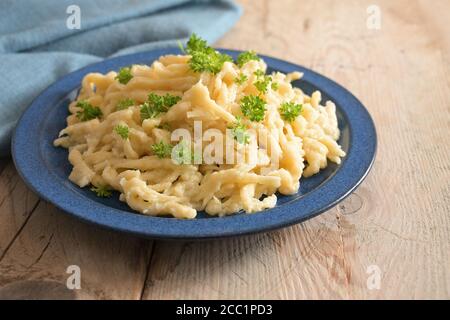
<point x="40" y="40"/>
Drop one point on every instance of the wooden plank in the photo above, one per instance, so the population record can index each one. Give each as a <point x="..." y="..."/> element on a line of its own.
<point x="16" y="205"/>
<point x="38" y="243"/>
<point x="397" y="222"/>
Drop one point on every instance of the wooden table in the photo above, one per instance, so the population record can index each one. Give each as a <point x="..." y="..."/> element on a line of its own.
<point x="390" y="239"/>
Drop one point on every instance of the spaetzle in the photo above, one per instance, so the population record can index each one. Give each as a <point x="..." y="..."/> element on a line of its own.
<point x="121" y="129"/>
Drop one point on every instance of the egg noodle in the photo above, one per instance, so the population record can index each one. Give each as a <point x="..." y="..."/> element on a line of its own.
<point x="197" y="132"/>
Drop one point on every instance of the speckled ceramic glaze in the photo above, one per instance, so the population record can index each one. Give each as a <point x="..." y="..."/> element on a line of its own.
<point x="45" y="168"/>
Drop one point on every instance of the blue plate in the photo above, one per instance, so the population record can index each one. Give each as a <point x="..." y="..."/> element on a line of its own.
<point x="46" y="169"/>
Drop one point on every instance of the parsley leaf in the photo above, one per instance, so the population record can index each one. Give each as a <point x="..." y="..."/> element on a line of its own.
<point x="253" y="107"/>
<point x="148" y="111"/>
<point x="182" y="153"/>
<point x="262" y="82"/>
<point x="195" y="43"/>
<point x="180" y="45"/>
<point x="208" y="60"/>
<point x="289" y="110"/>
<point x="162" y="149"/>
<point x="168" y="100"/>
<point x="88" y="111"/>
<point x="241" y="79"/>
<point x="102" y="191"/>
<point x="245" y="57"/>
<point x="124" y="75"/>
<point x="125" y="103"/>
<point x="238" y="131"/>
<point x="203" y="57"/>
<point x="122" y="131"/>
<point x="155" y="105"/>
<point x="274" y="86"/>
<point x="259" y="73"/>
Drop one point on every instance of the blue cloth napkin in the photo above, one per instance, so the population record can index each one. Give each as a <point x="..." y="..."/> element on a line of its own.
<point x="37" y="47"/>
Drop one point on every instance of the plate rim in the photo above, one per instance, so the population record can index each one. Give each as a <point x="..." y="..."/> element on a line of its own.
<point x="163" y="228"/>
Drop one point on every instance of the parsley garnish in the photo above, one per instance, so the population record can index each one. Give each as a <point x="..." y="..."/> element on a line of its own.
<point x="147" y="111"/>
<point x="241" y="79"/>
<point x="274" y="86"/>
<point x="259" y="73"/>
<point x="180" y="45"/>
<point x="182" y="153"/>
<point x="208" y="61"/>
<point x="203" y="57"/>
<point x="155" y="105"/>
<point x="102" y="191"/>
<point x="238" y="131"/>
<point x="124" y="75"/>
<point x="245" y="57"/>
<point x="195" y="44"/>
<point x="88" y="111"/>
<point x="289" y="110"/>
<point x="162" y="149"/>
<point x="125" y="103"/>
<point x="122" y="131"/>
<point x="168" y="100"/>
<point x="253" y="107"/>
<point x="262" y="82"/>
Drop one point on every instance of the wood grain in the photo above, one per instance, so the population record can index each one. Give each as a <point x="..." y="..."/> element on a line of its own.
<point x="113" y="266"/>
<point x="398" y="220"/>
